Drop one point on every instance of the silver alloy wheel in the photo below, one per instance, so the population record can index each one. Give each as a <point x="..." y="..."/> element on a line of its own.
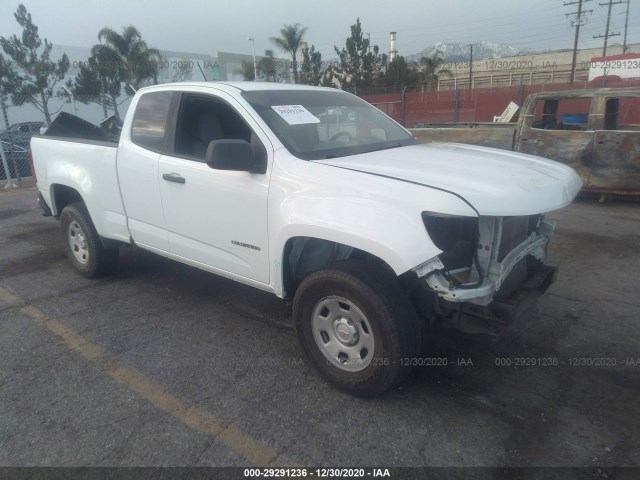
<point x="343" y="333"/>
<point x="78" y="242"/>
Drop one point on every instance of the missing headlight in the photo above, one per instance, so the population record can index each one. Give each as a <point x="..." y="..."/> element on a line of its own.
<point x="455" y="236"/>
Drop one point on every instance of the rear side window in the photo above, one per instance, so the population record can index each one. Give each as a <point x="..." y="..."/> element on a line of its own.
<point x="622" y="114"/>
<point x="150" y="120"/>
<point x="562" y="114"/>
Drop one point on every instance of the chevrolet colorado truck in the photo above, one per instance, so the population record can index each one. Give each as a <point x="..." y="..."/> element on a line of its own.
<point x="597" y="132"/>
<point x="316" y="196"/>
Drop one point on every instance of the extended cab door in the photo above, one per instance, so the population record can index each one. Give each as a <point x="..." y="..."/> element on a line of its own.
<point x="138" y="163"/>
<point x="616" y="159"/>
<point x="558" y="128"/>
<point x="216" y="218"/>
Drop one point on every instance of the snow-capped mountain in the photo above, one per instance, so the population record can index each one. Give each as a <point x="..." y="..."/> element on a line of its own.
<point x="455" y="52"/>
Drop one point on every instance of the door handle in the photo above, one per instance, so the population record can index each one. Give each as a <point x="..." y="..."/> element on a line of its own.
<point x="173" y="177"/>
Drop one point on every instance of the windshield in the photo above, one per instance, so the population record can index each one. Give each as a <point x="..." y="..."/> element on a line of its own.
<point x="315" y="125"/>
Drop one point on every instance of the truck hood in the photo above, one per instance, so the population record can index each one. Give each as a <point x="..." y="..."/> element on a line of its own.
<point x="495" y="182"/>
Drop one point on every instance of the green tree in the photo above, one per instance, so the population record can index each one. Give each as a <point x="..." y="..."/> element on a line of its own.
<point x="379" y="65"/>
<point x="358" y="67"/>
<point x="100" y="80"/>
<point x="9" y="83"/>
<point x="312" y="71"/>
<point x="40" y="74"/>
<point x="289" y="41"/>
<point x="134" y="60"/>
<point x="400" y="73"/>
<point x="432" y="69"/>
<point x="86" y="85"/>
<point x="271" y="69"/>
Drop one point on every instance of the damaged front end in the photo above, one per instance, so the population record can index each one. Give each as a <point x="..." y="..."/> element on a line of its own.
<point x="491" y="270"/>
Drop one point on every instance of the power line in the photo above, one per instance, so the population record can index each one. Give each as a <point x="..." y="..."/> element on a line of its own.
<point x="606" y="33"/>
<point x="577" y="23"/>
<point x="465" y="32"/>
<point x="626" y="23"/>
<point x="482" y="20"/>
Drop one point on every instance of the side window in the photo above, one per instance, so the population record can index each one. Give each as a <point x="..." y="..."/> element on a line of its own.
<point x="562" y="114"/>
<point x="202" y="120"/>
<point x="150" y="120"/>
<point x="622" y="114"/>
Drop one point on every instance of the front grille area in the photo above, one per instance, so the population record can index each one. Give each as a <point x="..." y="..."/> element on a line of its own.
<point x="515" y="230"/>
<point x="473" y="248"/>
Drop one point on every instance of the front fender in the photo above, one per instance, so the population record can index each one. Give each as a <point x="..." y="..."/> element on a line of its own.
<point x="380" y="216"/>
<point x="398" y="238"/>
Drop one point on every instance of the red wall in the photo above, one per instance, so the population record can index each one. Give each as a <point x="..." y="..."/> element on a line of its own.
<point x="477" y="105"/>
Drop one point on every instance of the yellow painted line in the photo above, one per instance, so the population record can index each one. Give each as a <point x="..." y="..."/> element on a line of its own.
<point x="9" y="298"/>
<point x="196" y="418"/>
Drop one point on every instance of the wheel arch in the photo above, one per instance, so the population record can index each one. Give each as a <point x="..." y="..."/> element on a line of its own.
<point x="61" y="196"/>
<point x="302" y="255"/>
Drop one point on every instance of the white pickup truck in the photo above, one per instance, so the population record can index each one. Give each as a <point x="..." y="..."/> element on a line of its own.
<point x="316" y="196"/>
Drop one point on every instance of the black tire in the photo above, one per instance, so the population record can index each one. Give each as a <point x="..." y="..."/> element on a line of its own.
<point x="83" y="245"/>
<point x="340" y="296"/>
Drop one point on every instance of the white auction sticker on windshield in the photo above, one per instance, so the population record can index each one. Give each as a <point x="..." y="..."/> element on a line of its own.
<point x="295" y="114"/>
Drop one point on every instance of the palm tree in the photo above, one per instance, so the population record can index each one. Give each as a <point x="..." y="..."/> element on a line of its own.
<point x="138" y="62"/>
<point x="289" y="41"/>
<point x="432" y="68"/>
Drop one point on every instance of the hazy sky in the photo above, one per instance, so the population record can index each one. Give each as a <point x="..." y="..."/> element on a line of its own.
<point x="201" y="26"/>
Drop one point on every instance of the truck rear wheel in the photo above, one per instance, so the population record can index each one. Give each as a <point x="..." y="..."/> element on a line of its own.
<point x="357" y="327"/>
<point x="83" y="245"/>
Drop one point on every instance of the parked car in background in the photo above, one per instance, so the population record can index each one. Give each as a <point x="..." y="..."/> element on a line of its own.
<point x="21" y="133"/>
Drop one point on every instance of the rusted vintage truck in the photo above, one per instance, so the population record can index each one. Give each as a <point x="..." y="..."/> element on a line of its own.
<point x="597" y="132"/>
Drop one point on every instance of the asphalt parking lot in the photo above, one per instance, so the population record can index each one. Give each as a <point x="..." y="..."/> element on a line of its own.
<point x="165" y="365"/>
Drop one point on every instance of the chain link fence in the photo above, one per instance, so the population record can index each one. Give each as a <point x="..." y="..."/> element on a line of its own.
<point x="15" y="170"/>
<point x="24" y="117"/>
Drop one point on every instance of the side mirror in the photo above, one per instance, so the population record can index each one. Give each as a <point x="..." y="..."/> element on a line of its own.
<point x="231" y="154"/>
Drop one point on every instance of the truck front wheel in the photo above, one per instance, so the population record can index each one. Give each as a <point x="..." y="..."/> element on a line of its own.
<point x="82" y="243"/>
<point x="357" y="327"/>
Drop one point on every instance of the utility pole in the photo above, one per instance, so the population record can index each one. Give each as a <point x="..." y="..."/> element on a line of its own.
<point x="369" y="35"/>
<point x="606" y="33"/>
<point x="626" y="23"/>
<point x="577" y="23"/>
<point x="470" y="66"/>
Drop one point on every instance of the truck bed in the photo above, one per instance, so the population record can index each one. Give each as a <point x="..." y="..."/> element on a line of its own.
<point x="76" y="164"/>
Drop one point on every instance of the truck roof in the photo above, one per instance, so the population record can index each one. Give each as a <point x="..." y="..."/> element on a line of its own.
<point x="627" y="91"/>
<point x="241" y="86"/>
